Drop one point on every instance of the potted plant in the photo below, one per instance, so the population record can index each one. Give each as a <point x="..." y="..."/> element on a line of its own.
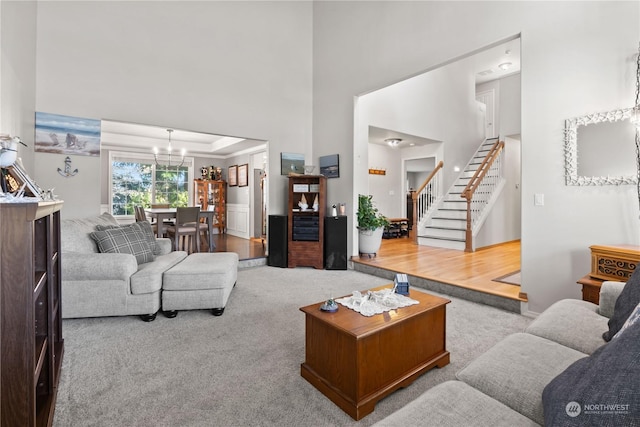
<point x="371" y="225"/>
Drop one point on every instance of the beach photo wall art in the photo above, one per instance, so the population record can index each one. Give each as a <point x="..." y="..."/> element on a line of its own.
<point x="60" y="134"/>
<point x="291" y="163"/>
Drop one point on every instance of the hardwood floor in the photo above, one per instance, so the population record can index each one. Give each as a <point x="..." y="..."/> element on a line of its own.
<point x="246" y="249"/>
<point x="471" y="270"/>
<point x="475" y="270"/>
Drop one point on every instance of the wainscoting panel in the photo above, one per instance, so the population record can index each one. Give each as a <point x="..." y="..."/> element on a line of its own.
<point x="238" y="220"/>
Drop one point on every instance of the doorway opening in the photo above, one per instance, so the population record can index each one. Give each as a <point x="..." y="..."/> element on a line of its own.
<point x="457" y="105"/>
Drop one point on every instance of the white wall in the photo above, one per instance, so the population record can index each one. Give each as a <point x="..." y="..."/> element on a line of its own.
<point x="17" y="76"/>
<point x="510" y="101"/>
<point x="230" y="68"/>
<point x="438" y="105"/>
<point x="386" y="189"/>
<point x="568" y="69"/>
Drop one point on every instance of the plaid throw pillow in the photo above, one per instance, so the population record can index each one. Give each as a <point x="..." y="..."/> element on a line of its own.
<point x="144" y="227"/>
<point x="125" y="240"/>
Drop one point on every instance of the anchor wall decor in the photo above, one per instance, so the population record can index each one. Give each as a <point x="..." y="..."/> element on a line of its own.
<point x="67" y="169"/>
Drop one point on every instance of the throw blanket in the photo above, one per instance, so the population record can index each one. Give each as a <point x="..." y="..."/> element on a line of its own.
<point x="376" y="302"/>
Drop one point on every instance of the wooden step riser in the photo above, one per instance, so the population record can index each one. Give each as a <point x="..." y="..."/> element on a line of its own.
<point x="448" y="223"/>
<point x="438" y="243"/>
<point x="443" y="233"/>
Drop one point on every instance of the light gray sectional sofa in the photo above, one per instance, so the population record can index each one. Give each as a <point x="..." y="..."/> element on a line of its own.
<point x="98" y="284"/>
<point x="562" y="353"/>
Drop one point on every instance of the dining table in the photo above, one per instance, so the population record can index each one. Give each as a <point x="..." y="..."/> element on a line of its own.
<point x="163" y="214"/>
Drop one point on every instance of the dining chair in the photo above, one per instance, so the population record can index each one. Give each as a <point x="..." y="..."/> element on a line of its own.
<point x="203" y="232"/>
<point x="185" y="229"/>
<point x="141" y="215"/>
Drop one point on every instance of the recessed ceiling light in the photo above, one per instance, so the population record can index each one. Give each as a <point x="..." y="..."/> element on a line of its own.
<point x="505" y="65"/>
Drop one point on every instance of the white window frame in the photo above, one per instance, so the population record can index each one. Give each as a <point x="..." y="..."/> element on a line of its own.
<point x="146" y="157"/>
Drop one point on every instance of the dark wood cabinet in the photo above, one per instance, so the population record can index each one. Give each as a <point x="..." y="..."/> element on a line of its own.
<point x="31" y="342"/>
<point x="306" y="224"/>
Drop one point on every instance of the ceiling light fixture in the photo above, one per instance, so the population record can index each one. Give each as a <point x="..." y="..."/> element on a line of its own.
<point x="169" y="153"/>
<point x="505" y="66"/>
<point x="393" y="142"/>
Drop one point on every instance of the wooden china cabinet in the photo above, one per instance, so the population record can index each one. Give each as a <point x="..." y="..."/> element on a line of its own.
<point x="31" y="344"/>
<point x="212" y="195"/>
<point x="306" y="226"/>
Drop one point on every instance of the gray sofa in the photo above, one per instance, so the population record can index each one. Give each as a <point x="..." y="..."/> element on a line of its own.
<point x="109" y="284"/>
<point x="559" y="354"/>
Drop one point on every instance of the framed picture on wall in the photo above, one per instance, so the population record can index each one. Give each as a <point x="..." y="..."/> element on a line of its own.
<point x="291" y="163"/>
<point x="330" y="166"/>
<point x="243" y="175"/>
<point x="59" y="134"/>
<point x="233" y="175"/>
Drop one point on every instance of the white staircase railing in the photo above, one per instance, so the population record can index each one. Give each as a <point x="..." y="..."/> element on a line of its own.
<point x="426" y="197"/>
<point x="480" y="188"/>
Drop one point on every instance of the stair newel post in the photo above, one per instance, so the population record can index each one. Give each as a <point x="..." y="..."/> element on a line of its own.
<point x="414" y="216"/>
<point x="468" y="244"/>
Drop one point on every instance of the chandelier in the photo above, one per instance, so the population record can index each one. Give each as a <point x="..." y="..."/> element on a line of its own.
<point x="169" y="154"/>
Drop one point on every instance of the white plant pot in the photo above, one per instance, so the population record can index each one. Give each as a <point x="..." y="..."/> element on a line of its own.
<point x="369" y="240"/>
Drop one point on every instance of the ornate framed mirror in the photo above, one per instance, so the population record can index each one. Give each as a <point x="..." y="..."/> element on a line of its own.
<point x="600" y="149"/>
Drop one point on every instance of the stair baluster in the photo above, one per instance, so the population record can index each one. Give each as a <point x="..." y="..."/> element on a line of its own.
<point x="480" y="187"/>
<point x="425" y="198"/>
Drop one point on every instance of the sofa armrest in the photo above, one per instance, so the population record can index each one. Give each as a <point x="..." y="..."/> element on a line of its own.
<point x="609" y="292"/>
<point x="165" y="245"/>
<point x="110" y="266"/>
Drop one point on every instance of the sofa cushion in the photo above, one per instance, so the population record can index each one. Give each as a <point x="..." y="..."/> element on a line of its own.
<point x="454" y="404"/>
<point x="626" y="302"/>
<point x="516" y="370"/>
<point x="600" y="390"/>
<point x="128" y="240"/>
<point x="202" y="271"/>
<point x="609" y="293"/>
<point x="75" y="232"/>
<point x="573" y="323"/>
<point x="149" y="276"/>
<point x="147" y="230"/>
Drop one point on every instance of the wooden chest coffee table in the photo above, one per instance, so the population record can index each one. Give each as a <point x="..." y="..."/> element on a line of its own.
<point x="356" y="360"/>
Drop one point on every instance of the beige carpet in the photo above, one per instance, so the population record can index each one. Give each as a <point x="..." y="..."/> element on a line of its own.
<point x="239" y="369"/>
